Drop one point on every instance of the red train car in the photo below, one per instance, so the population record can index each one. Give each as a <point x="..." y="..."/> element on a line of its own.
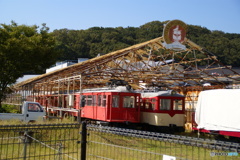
<point x="114" y="105"/>
<point x="101" y="104"/>
<point x="159" y="110"/>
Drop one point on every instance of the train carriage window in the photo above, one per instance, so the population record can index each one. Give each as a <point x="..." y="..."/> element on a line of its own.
<point x="89" y="100"/>
<point x="94" y="100"/>
<point x="148" y="105"/>
<point x="177" y="104"/>
<point x="82" y="101"/>
<point x="115" y="101"/>
<point x="165" y="104"/>
<point x="128" y="102"/>
<point x="153" y="104"/>
<point x="141" y="103"/>
<point x="99" y="100"/>
<point x="104" y="102"/>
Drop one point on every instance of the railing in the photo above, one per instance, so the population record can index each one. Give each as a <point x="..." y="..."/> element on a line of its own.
<point x="116" y="143"/>
<point x="64" y="141"/>
<point x="40" y="141"/>
<point x="14" y="99"/>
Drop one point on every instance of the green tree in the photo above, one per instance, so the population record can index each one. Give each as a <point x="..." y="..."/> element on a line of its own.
<point x="88" y="43"/>
<point x="24" y="49"/>
<point x="149" y="31"/>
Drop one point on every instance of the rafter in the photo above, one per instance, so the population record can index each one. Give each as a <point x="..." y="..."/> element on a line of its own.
<point x="148" y="62"/>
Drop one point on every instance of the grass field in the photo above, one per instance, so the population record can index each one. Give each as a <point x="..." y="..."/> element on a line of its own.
<point x="60" y="142"/>
<point x="39" y="140"/>
<point x="133" y="148"/>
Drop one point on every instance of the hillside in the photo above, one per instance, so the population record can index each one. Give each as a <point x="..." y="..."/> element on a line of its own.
<point x="88" y="43"/>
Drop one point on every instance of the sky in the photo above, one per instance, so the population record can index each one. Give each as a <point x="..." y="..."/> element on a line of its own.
<point x="222" y="15"/>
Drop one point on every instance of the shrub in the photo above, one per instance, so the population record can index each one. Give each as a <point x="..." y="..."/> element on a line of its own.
<point x="6" y="108"/>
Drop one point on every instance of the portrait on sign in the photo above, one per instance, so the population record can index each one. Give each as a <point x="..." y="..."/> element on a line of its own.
<point x="174" y="35"/>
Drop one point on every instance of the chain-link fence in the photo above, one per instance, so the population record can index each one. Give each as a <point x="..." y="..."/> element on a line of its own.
<point x="40" y="141"/>
<point x="125" y="144"/>
<point x="61" y="141"/>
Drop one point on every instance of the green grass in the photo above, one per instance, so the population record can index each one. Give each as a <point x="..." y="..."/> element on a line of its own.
<point x="132" y="148"/>
<point x="99" y="145"/>
<point x="52" y="142"/>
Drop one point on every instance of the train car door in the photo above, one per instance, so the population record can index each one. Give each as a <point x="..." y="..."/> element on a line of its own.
<point x="87" y="108"/>
<point x="124" y="107"/>
<point x="101" y="107"/>
<point x="130" y="108"/>
<point x="114" y="110"/>
<point x="94" y="107"/>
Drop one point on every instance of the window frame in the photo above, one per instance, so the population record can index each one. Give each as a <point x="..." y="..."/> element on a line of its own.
<point x="129" y="104"/>
<point x="34" y="107"/>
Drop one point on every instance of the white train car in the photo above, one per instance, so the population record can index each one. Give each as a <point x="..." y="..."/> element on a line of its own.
<point x="218" y="111"/>
<point x="163" y="110"/>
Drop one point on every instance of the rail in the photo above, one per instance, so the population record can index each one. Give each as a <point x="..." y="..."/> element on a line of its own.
<point x="177" y="139"/>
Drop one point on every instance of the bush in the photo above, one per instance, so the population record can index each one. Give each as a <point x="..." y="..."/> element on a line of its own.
<point x="6" y="108"/>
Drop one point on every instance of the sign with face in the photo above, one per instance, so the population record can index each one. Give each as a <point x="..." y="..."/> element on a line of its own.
<point x="174" y="34"/>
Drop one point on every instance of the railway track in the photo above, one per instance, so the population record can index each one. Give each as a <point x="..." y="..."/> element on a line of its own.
<point x="178" y="139"/>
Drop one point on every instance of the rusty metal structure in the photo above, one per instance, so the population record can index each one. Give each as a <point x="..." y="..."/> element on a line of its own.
<point x="187" y="68"/>
<point x="148" y="63"/>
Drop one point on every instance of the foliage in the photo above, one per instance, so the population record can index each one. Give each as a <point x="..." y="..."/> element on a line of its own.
<point x="24" y="49"/>
<point x="30" y="49"/>
<point x="89" y="43"/>
<point x="9" y="109"/>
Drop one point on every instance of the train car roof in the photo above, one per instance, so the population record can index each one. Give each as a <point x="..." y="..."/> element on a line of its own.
<point x="161" y="93"/>
<point x="115" y="89"/>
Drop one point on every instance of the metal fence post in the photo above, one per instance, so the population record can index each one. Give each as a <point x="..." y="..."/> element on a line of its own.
<point x="25" y="141"/>
<point x="84" y="141"/>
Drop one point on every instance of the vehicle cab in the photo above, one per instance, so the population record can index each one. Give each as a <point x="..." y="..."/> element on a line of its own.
<point x="32" y="111"/>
